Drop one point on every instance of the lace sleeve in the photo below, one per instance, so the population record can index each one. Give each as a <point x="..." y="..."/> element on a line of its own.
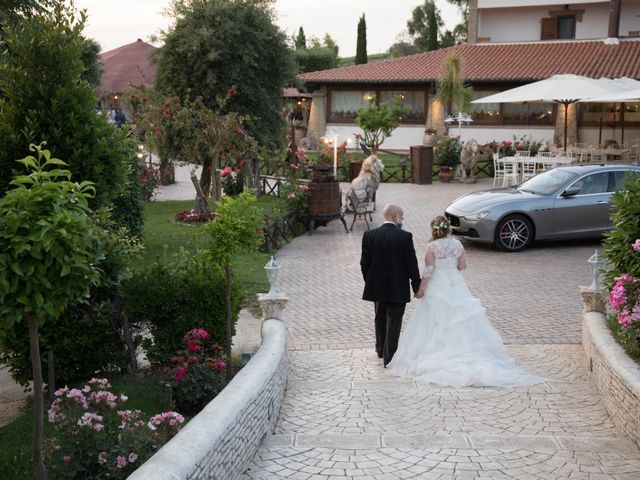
<point x="429" y="263"/>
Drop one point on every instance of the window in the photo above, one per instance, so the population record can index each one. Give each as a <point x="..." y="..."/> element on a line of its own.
<point x="619" y="177"/>
<point x="566" y="27"/>
<point x="344" y="104"/>
<point x="609" y="113"/>
<point x="411" y="100"/>
<point x="591" y="184"/>
<point x="510" y="113"/>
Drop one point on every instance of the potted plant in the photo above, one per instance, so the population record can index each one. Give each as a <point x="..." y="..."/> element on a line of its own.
<point x="447" y="156"/>
<point x="429" y="138"/>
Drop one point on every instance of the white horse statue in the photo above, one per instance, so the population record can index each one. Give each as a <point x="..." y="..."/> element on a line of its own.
<point x="469" y="160"/>
<point x="368" y="180"/>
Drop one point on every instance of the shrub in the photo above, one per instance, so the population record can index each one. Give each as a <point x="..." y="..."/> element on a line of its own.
<point x="448" y="152"/>
<point x="127" y="209"/>
<point x="95" y="437"/>
<point x="232" y="181"/>
<point x="184" y="293"/>
<point x="198" y="372"/>
<point x="149" y="180"/>
<point x="622" y="251"/>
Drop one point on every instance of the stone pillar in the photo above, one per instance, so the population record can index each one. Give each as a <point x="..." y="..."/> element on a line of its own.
<point x="472" y="25"/>
<point x="272" y="307"/>
<point x="318" y="116"/>
<point x="572" y="125"/>
<point x="435" y="118"/>
<point x="593" y="300"/>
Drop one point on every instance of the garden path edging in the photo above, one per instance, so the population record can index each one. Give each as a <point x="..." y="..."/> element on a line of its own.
<point x="616" y="376"/>
<point x="220" y="441"/>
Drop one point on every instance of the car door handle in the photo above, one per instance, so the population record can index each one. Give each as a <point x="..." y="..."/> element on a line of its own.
<point x="601" y="202"/>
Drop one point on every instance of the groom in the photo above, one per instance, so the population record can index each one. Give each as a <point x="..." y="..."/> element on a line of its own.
<point x="388" y="264"/>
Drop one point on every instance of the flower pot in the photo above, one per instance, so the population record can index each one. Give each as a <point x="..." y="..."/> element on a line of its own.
<point x="445" y="176"/>
<point x="429" y="140"/>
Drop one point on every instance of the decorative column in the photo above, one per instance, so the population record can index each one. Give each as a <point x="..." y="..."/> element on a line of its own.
<point x="593" y="300"/>
<point x="318" y="116"/>
<point x="272" y="307"/>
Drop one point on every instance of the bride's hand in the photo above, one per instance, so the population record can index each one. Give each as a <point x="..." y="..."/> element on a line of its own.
<point x="420" y="293"/>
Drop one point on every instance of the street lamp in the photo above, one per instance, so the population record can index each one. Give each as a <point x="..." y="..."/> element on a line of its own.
<point x="459" y="118"/>
<point x="596" y="263"/>
<point x="333" y="137"/>
<point x="271" y="268"/>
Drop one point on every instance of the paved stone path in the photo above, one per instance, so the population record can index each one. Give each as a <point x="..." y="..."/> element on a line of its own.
<point x="344" y="417"/>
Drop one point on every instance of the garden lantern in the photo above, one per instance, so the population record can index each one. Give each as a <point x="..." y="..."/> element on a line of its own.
<point x="596" y="263"/>
<point x="272" y="268"/>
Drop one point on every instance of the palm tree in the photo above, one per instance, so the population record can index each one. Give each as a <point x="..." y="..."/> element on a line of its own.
<point x="451" y="88"/>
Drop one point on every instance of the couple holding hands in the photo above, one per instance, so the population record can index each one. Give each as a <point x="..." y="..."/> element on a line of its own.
<point x="448" y="341"/>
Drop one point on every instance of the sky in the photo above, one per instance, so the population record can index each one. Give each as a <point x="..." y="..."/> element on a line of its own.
<point x="114" y="23"/>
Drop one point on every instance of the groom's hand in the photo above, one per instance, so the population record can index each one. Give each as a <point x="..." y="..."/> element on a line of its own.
<point x="419" y="293"/>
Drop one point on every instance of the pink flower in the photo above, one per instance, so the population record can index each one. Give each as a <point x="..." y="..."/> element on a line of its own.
<point x="304" y="187"/>
<point x="121" y="462"/>
<point x="618" y="296"/>
<point x="66" y="458"/>
<point x="636" y="245"/>
<point x="226" y="171"/>
<point x="180" y="374"/>
<point x="291" y="196"/>
<point x="192" y="347"/>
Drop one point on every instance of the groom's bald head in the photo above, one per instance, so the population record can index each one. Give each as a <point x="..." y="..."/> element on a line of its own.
<point x="393" y="213"/>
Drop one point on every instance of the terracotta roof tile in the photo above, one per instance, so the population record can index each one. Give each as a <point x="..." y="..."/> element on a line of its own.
<point x="129" y="64"/>
<point x="499" y="61"/>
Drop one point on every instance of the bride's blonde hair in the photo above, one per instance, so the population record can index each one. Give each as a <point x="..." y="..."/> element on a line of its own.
<point x="440" y="227"/>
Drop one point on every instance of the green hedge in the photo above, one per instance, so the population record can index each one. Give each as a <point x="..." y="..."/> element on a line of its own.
<point x="170" y="298"/>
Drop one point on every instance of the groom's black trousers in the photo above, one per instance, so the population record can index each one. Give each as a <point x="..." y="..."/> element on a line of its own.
<point x="388" y="324"/>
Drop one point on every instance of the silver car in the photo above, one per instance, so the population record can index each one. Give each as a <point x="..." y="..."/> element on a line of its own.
<point x="562" y="203"/>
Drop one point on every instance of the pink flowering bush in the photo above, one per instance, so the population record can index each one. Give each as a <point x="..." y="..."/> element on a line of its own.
<point x="198" y="372"/>
<point x="232" y="181"/>
<point x="622" y="276"/>
<point x="297" y="196"/>
<point x="95" y="437"/>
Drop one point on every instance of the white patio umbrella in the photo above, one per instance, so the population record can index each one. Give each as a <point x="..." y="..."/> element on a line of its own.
<point x="562" y="89"/>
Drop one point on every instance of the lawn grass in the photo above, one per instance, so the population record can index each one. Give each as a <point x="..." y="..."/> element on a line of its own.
<point x="143" y="389"/>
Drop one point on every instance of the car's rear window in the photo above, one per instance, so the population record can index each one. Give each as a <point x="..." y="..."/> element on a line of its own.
<point x="618" y="178"/>
<point x="547" y="182"/>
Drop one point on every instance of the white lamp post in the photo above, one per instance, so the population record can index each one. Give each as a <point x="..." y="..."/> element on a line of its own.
<point x="596" y="263"/>
<point x="271" y="268"/>
<point x="333" y="137"/>
<point x="459" y="118"/>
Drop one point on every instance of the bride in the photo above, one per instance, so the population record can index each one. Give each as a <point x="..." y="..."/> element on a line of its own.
<point x="449" y="340"/>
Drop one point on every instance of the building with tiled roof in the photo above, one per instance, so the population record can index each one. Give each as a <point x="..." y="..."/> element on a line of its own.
<point x="582" y="38"/>
<point x="124" y="66"/>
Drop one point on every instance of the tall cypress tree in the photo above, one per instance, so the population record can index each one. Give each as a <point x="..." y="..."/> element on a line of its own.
<point x="300" y="41"/>
<point x="361" y="48"/>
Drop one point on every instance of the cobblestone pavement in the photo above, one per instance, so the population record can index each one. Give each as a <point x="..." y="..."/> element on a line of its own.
<point x="344" y="417"/>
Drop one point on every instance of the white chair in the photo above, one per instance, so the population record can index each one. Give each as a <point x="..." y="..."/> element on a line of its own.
<point x="597" y="156"/>
<point x="508" y="172"/>
<point x="545" y="154"/>
<point x="522" y="153"/>
<point x="529" y="169"/>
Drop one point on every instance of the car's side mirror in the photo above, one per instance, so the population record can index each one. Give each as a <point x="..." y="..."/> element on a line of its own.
<point x="571" y="191"/>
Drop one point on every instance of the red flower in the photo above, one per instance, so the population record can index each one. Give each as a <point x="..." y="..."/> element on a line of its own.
<point x="192" y="347"/>
<point x="180" y="374"/>
<point x="231" y="92"/>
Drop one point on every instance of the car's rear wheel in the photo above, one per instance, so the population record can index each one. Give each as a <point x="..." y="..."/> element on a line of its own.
<point x="513" y="233"/>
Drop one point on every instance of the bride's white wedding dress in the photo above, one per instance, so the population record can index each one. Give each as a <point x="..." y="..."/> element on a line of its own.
<point x="449" y="340"/>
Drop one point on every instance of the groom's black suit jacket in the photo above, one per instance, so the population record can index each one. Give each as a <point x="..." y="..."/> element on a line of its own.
<point x="388" y="264"/>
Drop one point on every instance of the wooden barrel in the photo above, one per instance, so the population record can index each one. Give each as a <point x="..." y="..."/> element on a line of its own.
<point x="324" y="198"/>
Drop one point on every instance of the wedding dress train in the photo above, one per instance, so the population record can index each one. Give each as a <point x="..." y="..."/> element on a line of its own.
<point x="449" y="341"/>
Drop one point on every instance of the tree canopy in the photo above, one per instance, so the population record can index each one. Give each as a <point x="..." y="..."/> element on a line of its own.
<point x="217" y="44"/>
<point x="300" y="41"/>
<point x="425" y="25"/>
<point x="46" y="97"/>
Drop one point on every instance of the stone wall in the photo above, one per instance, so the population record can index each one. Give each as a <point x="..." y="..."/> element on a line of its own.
<point x="218" y="443"/>
<point x="616" y="376"/>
